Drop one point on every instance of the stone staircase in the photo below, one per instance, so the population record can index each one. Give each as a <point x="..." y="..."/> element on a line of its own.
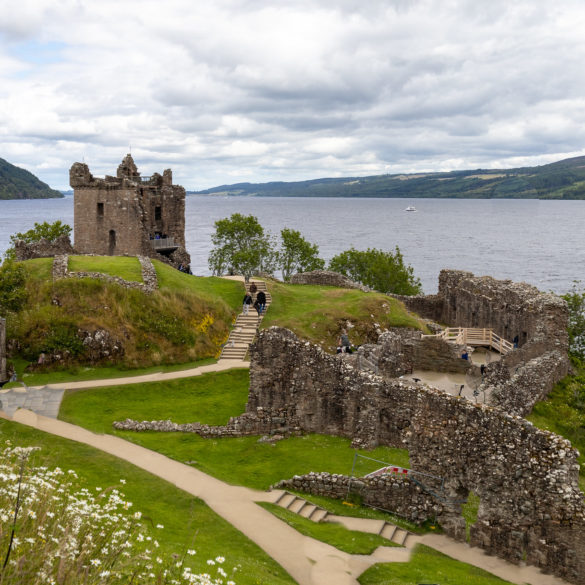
<point x="306" y="509"/>
<point x="245" y="328"/>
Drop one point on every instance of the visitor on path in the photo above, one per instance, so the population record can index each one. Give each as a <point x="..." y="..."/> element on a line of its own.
<point x="515" y="342"/>
<point x="343" y="343"/>
<point x="246" y="303"/>
<point x="465" y="355"/>
<point x="261" y="298"/>
<point x="253" y="288"/>
<point x="258" y="307"/>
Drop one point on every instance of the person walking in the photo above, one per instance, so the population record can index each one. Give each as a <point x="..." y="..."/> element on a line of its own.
<point x="246" y="303"/>
<point x="261" y="298"/>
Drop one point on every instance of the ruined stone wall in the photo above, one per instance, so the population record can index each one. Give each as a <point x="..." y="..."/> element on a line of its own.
<point x="388" y="492"/>
<point x="122" y="215"/>
<point x="149" y="277"/>
<point x="326" y="278"/>
<point x="527" y="479"/>
<point x="3" y="373"/>
<point x="43" y="248"/>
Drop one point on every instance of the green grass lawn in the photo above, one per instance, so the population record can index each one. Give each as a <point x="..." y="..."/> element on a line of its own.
<point x="231" y="291"/>
<point x="318" y="313"/>
<point x="124" y="267"/>
<point x="349" y="541"/>
<point x="188" y="522"/>
<point x="212" y="399"/>
<point x="428" y="566"/>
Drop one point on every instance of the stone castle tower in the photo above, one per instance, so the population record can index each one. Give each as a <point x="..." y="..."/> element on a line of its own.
<point x="128" y="214"/>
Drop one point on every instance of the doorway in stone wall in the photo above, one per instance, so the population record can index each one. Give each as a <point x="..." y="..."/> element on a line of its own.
<point x="112" y="243"/>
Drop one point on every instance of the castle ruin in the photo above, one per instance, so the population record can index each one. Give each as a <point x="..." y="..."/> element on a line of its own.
<point x="128" y="214"/>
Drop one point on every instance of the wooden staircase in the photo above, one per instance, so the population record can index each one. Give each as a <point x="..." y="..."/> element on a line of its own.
<point x="245" y="327"/>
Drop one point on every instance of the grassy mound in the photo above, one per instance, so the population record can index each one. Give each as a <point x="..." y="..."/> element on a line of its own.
<point x="319" y="313"/>
<point x="187" y="319"/>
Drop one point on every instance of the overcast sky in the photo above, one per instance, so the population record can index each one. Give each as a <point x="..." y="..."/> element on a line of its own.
<point x="223" y="91"/>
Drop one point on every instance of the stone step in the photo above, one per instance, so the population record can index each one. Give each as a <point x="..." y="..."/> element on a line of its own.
<point x="301" y="507"/>
<point x="388" y="530"/>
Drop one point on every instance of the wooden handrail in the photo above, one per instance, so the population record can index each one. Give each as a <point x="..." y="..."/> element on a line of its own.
<point x="475" y="336"/>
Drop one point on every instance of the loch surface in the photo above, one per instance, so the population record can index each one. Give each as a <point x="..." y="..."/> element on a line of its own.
<point x="540" y="242"/>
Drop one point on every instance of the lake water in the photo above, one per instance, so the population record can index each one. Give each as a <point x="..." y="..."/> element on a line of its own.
<point x="539" y="242"/>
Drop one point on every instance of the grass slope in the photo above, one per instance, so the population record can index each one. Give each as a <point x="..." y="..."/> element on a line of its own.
<point x="188" y="522"/>
<point x="563" y="413"/>
<point x="349" y="541"/>
<point x="428" y="566"/>
<point x="318" y="313"/>
<point x="186" y="320"/>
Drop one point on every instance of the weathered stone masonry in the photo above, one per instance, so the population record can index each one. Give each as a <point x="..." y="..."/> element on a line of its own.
<point x="527" y="479"/>
<point x="125" y="214"/>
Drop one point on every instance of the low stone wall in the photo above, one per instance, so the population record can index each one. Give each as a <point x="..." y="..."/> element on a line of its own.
<point x="149" y="284"/>
<point x="401" y="495"/>
<point x="326" y="278"/>
<point x="259" y="422"/>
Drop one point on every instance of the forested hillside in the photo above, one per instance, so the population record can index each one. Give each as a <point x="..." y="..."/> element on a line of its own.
<point x="16" y="183"/>
<point x="561" y="180"/>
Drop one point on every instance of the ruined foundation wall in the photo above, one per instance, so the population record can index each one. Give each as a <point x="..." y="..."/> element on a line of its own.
<point x="401" y="495"/>
<point x="527" y="479"/>
<point x="326" y="278"/>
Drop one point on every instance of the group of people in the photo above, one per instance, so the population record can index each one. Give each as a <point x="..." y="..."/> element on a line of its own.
<point x="186" y="268"/>
<point x="259" y="303"/>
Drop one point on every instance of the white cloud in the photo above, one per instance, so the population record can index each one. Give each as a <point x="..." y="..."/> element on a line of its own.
<point x="289" y="90"/>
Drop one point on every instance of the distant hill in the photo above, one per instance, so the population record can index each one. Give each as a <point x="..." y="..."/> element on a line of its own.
<point x="561" y="180"/>
<point x="16" y="183"/>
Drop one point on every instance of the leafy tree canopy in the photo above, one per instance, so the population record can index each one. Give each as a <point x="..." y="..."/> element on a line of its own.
<point x="576" y="301"/>
<point x="241" y="247"/>
<point x="46" y="230"/>
<point x="12" y="289"/>
<point x="383" y="271"/>
<point x="49" y="231"/>
<point x="297" y="255"/>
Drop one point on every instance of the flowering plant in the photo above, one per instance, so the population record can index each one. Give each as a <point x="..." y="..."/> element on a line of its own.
<point x="55" y="532"/>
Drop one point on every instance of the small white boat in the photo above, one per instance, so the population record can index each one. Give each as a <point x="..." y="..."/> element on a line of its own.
<point x="410" y="208"/>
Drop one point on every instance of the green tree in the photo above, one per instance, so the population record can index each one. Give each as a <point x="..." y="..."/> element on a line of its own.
<point x="383" y="271"/>
<point x="297" y="255"/>
<point x="12" y="289"/>
<point x="46" y="230"/>
<point x="241" y="246"/>
<point x="576" y="302"/>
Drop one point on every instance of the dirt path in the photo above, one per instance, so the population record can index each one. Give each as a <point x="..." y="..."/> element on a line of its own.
<point x="308" y="561"/>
